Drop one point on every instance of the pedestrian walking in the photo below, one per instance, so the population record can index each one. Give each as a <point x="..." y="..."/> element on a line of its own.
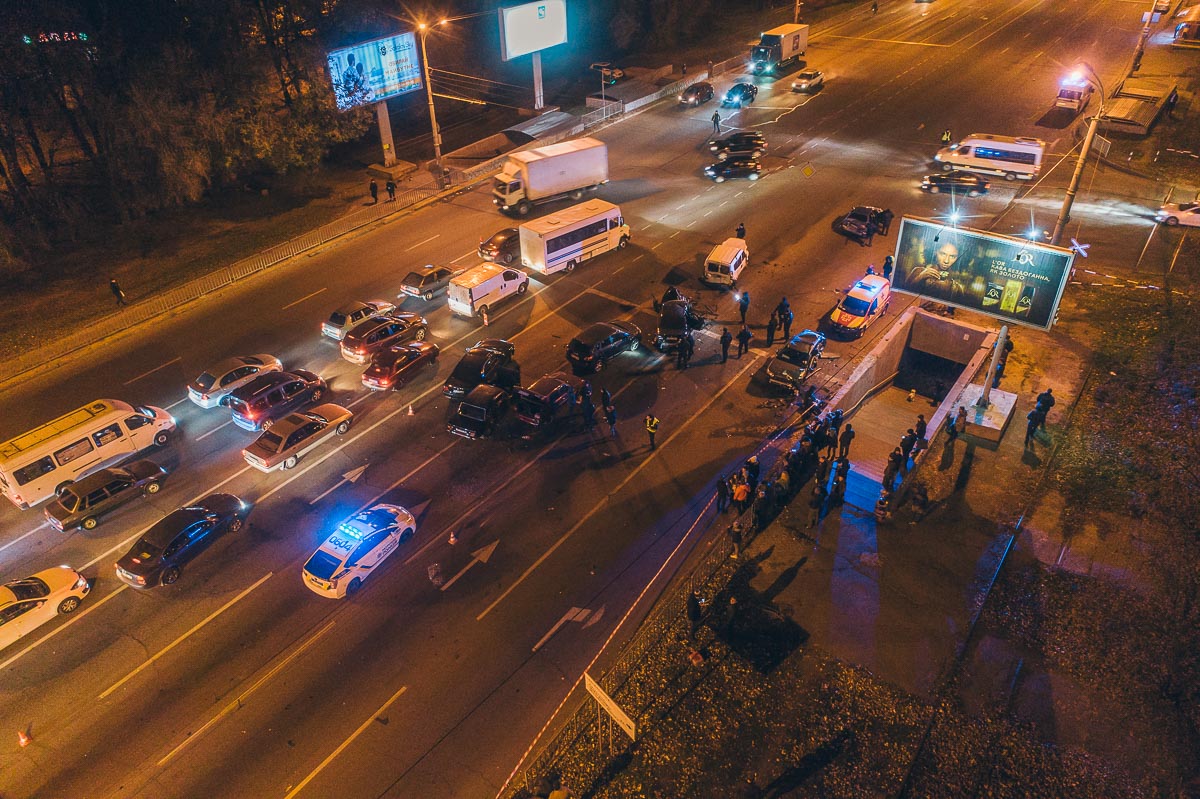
<point x="735" y="538"/>
<point x="889" y="264"/>
<point x="869" y="239"/>
<point x="726" y="340"/>
<point x="722" y="493"/>
<point x="390" y="186"/>
<point x="681" y="354"/>
<point x="837" y="494"/>
<point x="960" y="420"/>
<point x="1171" y="103"/>
<point x="824" y="467"/>
<point x="741" y="230"/>
<point x="586" y="391"/>
<point x="1035" y="418"/>
<point x="844" y="440"/>
<point x="115" y="288"/>
<point x="761" y="509"/>
<point x="896" y="461"/>
<point x="772" y="326"/>
<point x="744" y="336"/>
<point x="741" y="496"/>
<point x="907" y="442"/>
<point x="373" y="187"/>
<point x="610" y="416"/>
<point x="946" y="137"/>
<point x="816" y="501"/>
<point x="874" y="7"/>
<point x="689" y="348"/>
<point x="885" y="221"/>
<point x="651" y="428"/>
<point x="716" y="120"/>
<point x="588" y="408"/>
<point x="1045" y="400"/>
<point x="695" y="614"/>
<point x="785" y="319"/>
<point x="921" y="427"/>
<point x="605" y="397"/>
<point x="889" y="476"/>
<point x="744" y="304"/>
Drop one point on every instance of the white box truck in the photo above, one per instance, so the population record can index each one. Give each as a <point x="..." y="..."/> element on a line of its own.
<point x="777" y="48"/>
<point x="566" y="169"/>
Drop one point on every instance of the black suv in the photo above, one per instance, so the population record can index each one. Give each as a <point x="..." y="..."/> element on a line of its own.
<point x="272" y="396"/>
<point x="160" y="554"/>
<point x="599" y="343"/>
<point x="489" y="362"/>
<point x="796" y="361"/>
<point x="549" y="399"/>
<point x="740" y="94"/>
<point x="955" y="182"/>
<point x="503" y="247"/>
<point x="676" y="317"/>
<point x="82" y="504"/>
<point x="480" y="413"/>
<point x="744" y="142"/>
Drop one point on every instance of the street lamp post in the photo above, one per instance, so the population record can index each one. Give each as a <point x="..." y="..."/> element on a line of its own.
<point x="437" y="134"/>
<point x="1064" y="215"/>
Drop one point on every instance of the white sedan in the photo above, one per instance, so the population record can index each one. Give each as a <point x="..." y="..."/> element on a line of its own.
<point x="1179" y="214"/>
<point x="356" y="548"/>
<point x="27" y="604"/>
<point x="213" y="385"/>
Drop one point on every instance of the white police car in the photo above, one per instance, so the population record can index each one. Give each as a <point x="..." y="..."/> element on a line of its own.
<point x="356" y="548"/>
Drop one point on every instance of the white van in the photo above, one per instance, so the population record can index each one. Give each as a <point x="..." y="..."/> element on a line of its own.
<point x="36" y="464"/>
<point x="725" y="263"/>
<point x="1007" y="156"/>
<point x="559" y="242"/>
<point x="477" y="290"/>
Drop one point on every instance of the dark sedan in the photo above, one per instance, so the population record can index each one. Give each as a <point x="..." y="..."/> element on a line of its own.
<point x="395" y="367"/>
<point x="599" y="343"/>
<point x="489" y="362"/>
<point x="736" y="166"/>
<point x="503" y="247"/>
<point x="857" y="222"/>
<point x="955" y="182"/>
<point x="697" y="94"/>
<point x="82" y="504"/>
<point x="380" y="332"/>
<point x="740" y="94"/>
<point x="160" y="554"/>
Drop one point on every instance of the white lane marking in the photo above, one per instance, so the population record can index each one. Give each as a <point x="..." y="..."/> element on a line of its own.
<point x="464" y="255"/>
<point x="656" y="246"/>
<point x="74" y="618"/>
<point x="153" y="658"/>
<point x="887" y="41"/>
<point x="676" y="233"/>
<point x="242" y="697"/>
<point x="302" y="299"/>
<point x="359" y="399"/>
<point x="203" y="436"/>
<point x="416" y="469"/>
<point x="596" y="508"/>
<point x="419" y="243"/>
<point x="574" y="614"/>
<point x="362" y="727"/>
<point x="176" y="402"/>
<point x="22" y="537"/>
<point x="152" y="371"/>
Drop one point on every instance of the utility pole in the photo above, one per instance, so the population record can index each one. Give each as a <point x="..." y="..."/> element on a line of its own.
<point x="796" y="12"/>
<point x="437" y="134"/>
<point x="1064" y="215"/>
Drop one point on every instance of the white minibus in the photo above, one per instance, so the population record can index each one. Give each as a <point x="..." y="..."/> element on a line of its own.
<point x="36" y="464"/>
<point x="1008" y="156"/>
<point x="560" y="241"/>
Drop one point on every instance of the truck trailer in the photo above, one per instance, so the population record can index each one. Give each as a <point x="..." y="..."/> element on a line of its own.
<point x="558" y="171"/>
<point x="777" y="48"/>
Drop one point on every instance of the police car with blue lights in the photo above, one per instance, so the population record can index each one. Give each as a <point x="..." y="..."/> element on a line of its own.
<point x="356" y="548"/>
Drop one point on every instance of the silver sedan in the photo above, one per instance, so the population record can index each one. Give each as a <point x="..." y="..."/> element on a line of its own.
<point x="214" y="385"/>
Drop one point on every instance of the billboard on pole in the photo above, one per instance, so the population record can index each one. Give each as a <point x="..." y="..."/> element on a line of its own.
<point x="1006" y="277"/>
<point x="376" y="70"/>
<point x="531" y="27"/>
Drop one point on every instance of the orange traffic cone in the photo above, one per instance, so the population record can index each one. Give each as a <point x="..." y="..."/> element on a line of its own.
<point x="453" y="538"/>
<point x="411" y="412"/>
<point x="23" y="738"/>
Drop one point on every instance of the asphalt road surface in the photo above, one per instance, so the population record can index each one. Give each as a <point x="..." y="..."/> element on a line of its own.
<point x="238" y="681"/>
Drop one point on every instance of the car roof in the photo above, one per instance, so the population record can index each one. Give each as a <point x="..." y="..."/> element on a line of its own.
<point x="264" y="382"/>
<point x="351" y="307"/>
<point x="359" y="527"/>
<point x="163" y="531"/>
<point x="86" y="485"/>
<point x="868" y="287"/>
<point x="804" y="72"/>
<point x="804" y="339"/>
<point x="595" y="332"/>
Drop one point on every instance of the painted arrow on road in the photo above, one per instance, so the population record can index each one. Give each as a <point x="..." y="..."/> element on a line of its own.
<point x="349" y="477"/>
<point x="576" y="615"/>
<point x="478" y="556"/>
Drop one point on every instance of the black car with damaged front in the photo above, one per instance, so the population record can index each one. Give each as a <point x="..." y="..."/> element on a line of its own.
<point x="796" y="361"/>
<point x="488" y="362"/>
<point x="480" y="413"/>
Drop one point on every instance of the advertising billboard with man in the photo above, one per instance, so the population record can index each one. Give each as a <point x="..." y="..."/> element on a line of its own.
<point x="1009" y="278"/>
<point x="376" y="70"/>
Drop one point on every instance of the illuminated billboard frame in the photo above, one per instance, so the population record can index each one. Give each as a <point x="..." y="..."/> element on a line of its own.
<point x="376" y="70"/>
<point x="1008" y="278"/>
<point x="531" y="27"/>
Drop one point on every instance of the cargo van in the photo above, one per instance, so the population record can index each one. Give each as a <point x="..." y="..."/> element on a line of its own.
<point x="725" y="263"/>
<point x="477" y="290"/>
<point x="36" y="464"/>
<point x="1007" y="156"/>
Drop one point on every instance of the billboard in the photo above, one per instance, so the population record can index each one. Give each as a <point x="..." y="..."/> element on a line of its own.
<point x="1009" y="278"/>
<point x="531" y="27"/>
<point x="373" y="71"/>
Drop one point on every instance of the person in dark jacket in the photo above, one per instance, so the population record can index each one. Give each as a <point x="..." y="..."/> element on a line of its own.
<point x="744" y="336"/>
<point x="726" y="340"/>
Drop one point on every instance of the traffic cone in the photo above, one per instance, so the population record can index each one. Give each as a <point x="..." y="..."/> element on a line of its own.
<point x="453" y="538"/>
<point x="485" y="319"/>
<point x="23" y="738"/>
<point x="411" y="412"/>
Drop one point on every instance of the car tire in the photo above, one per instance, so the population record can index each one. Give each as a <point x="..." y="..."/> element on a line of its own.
<point x="570" y="267"/>
<point x="935" y="189"/>
<point x="1171" y="221"/>
<point x="68" y="605"/>
<point x="577" y="194"/>
<point x="342" y="428"/>
<point x="236" y="524"/>
<point x="353" y="587"/>
<point x="947" y="167"/>
<point x="317" y="394"/>
<point x="427" y="296"/>
<point x="523" y="208"/>
<point x="89" y="523"/>
<point x="153" y="488"/>
<point x="482" y="310"/>
<point x="421" y="334"/>
<point x="170" y="576"/>
<point x="719" y="179"/>
<point x="508" y="258"/>
<point x="161" y="438"/>
<point x="623" y="243"/>
<point x="1010" y="176"/>
<point x="524" y="287"/>
<point x="407" y="534"/>
<point x="289" y="462"/>
<point x="61" y="487"/>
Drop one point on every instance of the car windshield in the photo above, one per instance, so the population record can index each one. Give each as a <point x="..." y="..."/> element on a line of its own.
<point x="337" y="319"/>
<point x="29" y="588"/>
<point x="472" y="412"/>
<point x="322" y="565"/>
<point x="807" y="75"/>
<point x="855" y="306"/>
<point x="205" y="381"/>
<point x="270" y="441"/>
<point x="413" y="279"/>
<point x="793" y="356"/>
